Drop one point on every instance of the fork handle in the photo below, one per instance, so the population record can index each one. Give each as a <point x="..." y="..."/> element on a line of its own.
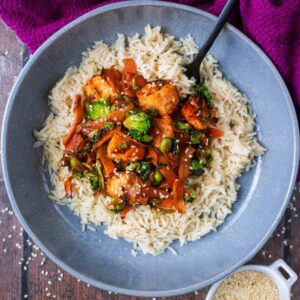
<point x="222" y="19"/>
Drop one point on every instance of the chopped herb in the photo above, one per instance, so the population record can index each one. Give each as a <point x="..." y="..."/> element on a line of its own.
<point x="206" y="118"/>
<point x="144" y="169"/>
<point x="203" y="90"/>
<point x="175" y="146"/>
<point x="118" y="207"/>
<point x="78" y="175"/>
<point x="93" y="179"/>
<point x="195" y="137"/>
<point x="197" y="165"/>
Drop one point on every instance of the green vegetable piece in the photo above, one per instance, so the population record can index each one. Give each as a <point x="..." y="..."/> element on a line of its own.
<point x="165" y="145"/>
<point x="190" y="197"/>
<point x="78" y="175"/>
<point x="157" y="178"/>
<point x="175" y="146"/>
<point x="197" y="165"/>
<point x="139" y="122"/>
<point x="144" y="170"/>
<point x="93" y="179"/>
<point x="183" y="126"/>
<point x="132" y="166"/>
<point x="124" y="145"/>
<point x="76" y="164"/>
<point x="195" y="137"/>
<point x="109" y="125"/>
<point x="206" y="118"/>
<point x="207" y="151"/>
<point x="98" y="109"/>
<point x="139" y="136"/>
<point x="203" y="90"/>
<point x="118" y="207"/>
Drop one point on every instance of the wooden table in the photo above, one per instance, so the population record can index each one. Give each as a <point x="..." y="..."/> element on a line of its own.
<point x="26" y="273"/>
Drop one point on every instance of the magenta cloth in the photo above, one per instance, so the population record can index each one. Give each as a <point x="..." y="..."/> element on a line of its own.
<point x="273" y="24"/>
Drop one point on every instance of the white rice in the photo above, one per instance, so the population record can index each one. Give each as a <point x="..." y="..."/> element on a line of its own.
<point x="158" y="56"/>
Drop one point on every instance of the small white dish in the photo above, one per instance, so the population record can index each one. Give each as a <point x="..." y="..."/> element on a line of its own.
<point x="273" y="271"/>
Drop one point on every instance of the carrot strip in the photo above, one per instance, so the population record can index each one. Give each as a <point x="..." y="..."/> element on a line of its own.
<point x="68" y="187"/>
<point x="152" y="155"/>
<point x="166" y="203"/>
<point x="185" y="162"/>
<point x="105" y="160"/>
<point x="75" y="143"/>
<point x="78" y="119"/>
<point x="169" y="175"/>
<point x="104" y="139"/>
<point x="125" y="211"/>
<point x="215" y="132"/>
<point x="129" y="66"/>
<point x="178" y="195"/>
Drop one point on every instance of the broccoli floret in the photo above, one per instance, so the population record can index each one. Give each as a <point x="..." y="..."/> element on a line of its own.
<point x="93" y="179"/>
<point x="139" y="122"/>
<point x="139" y="136"/>
<point x="98" y="109"/>
<point x="118" y="207"/>
<point x="197" y="165"/>
<point x="203" y="90"/>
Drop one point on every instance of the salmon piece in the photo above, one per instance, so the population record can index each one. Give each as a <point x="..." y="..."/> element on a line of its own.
<point x="158" y="96"/>
<point x="192" y="113"/>
<point x="124" y="185"/>
<point x="131" y="151"/>
<point x="98" y="87"/>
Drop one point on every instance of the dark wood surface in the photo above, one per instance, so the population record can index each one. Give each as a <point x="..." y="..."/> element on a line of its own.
<point x="26" y="273"/>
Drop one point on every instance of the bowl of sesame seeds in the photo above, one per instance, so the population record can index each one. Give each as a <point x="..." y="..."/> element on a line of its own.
<point x="253" y="282"/>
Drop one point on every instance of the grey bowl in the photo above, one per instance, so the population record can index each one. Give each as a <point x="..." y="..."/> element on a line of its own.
<point x="265" y="189"/>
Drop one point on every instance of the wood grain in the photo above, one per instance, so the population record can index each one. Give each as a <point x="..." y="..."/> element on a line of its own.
<point x="10" y="275"/>
<point x="36" y="277"/>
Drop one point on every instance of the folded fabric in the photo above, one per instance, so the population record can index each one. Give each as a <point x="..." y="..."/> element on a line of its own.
<point x="273" y="24"/>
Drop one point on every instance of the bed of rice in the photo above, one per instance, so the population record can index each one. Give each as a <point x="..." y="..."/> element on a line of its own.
<point x="158" y="56"/>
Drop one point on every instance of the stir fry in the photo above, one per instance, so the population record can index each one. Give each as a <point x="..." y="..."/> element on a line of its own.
<point x="137" y="142"/>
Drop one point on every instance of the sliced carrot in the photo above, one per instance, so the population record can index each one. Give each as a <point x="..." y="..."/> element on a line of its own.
<point x="113" y="77"/>
<point x="152" y="155"/>
<point x="76" y="142"/>
<point x="103" y="140"/>
<point x="166" y="203"/>
<point x="169" y="174"/>
<point x="105" y="160"/>
<point x="185" y="162"/>
<point x="178" y="195"/>
<point x="215" y="132"/>
<point x="125" y="211"/>
<point x="181" y="206"/>
<point x="68" y="187"/>
<point x="134" y="154"/>
<point x="140" y="81"/>
<point x="78" y="118"/>
<point x="129" y="66"/>
<point x="151" y="192"/>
